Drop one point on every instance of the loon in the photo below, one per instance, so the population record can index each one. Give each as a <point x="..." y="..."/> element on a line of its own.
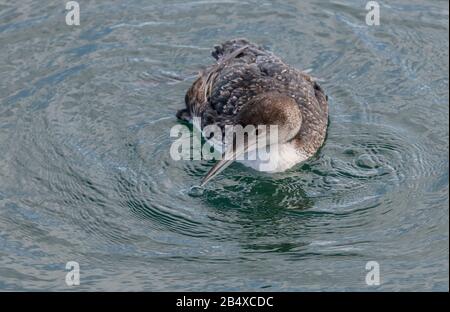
<point x="249" y="85"/>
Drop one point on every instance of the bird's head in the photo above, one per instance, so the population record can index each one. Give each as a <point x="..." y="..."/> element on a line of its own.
<point x="267" y="119"/>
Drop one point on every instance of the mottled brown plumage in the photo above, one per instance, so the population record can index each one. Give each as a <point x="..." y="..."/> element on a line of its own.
<point x="246" y="75"/>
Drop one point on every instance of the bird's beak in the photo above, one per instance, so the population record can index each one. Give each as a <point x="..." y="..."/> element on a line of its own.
<point x="228" y="157"/>
<point x="216" y="169"/>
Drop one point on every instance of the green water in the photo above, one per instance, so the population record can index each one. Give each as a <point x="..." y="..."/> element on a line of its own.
<point x="86" y="174"/>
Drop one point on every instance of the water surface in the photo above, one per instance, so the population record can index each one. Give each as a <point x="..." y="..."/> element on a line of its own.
<point x="86" y="174"/>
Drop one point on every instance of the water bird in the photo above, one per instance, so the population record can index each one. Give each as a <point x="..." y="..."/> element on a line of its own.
<point x="249" y="85"/>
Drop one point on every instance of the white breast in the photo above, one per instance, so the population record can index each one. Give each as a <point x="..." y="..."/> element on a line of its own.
<point x="279" y="157"/>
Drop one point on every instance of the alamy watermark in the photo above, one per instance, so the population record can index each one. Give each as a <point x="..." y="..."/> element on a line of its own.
<point x="73" y="276"/>
<point x="73" y="16"/>
<point x="373" y="16"/>
<point x="373" y="274"/>
<point x="232" y="142"/>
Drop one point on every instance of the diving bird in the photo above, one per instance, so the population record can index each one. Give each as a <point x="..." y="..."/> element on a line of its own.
<point x="249" y="85"/>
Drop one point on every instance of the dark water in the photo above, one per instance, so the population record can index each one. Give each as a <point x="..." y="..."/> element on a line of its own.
<point x="86" y="175"/>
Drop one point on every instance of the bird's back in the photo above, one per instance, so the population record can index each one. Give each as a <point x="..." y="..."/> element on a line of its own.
<point x="244" y="70"/>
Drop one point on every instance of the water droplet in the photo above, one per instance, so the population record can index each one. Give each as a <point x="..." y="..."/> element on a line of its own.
<point x="196" y="191"/>
<point x="365" y="161"/>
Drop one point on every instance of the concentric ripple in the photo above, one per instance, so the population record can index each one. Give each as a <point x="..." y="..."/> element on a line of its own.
<point x="86" y="174"/>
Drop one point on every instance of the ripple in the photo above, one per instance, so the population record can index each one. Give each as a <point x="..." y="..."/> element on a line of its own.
<point x="86" y="173"/>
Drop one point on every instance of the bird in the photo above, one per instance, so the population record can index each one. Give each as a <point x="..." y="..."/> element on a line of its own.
<point x="248" y="85"/>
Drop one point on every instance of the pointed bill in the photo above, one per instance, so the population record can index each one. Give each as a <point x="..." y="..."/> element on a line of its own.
<point x="231" y="155"/>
